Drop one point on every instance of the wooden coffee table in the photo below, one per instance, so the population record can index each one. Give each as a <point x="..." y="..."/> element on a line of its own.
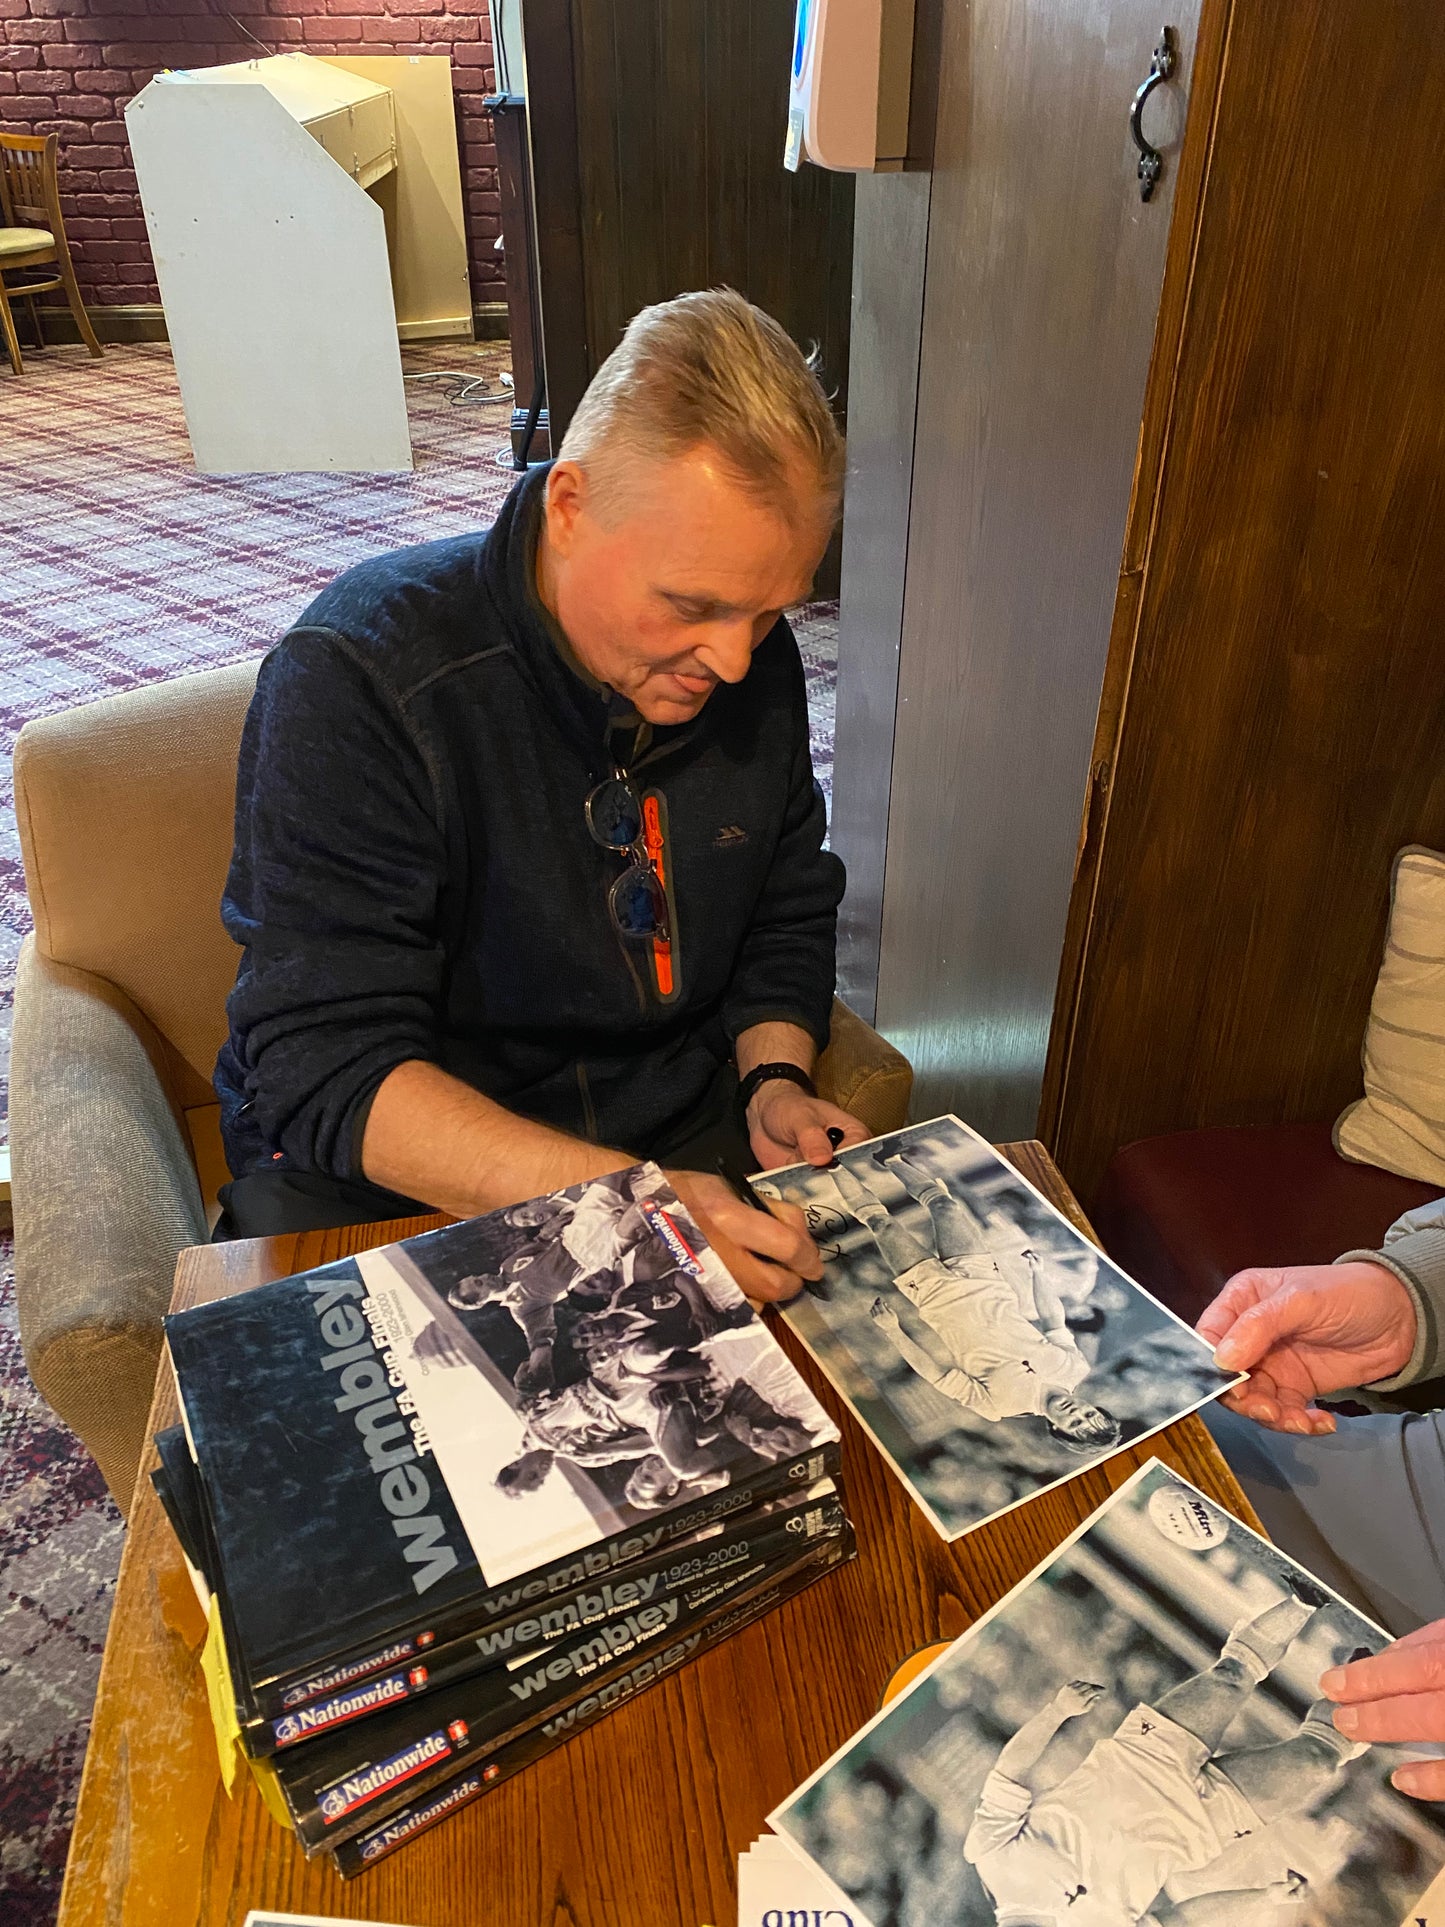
<point x="637" y="1822"/>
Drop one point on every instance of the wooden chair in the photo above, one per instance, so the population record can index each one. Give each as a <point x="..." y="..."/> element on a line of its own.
<point x="32" y="235"/>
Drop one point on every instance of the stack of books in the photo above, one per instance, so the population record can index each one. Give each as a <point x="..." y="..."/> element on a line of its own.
<point x="451" y="1501"/>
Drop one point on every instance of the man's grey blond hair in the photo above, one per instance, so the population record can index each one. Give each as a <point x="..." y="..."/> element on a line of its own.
<point x="710" y="368"/>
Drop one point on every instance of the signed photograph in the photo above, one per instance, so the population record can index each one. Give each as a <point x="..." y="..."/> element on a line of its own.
<point x="989" y="1348"/>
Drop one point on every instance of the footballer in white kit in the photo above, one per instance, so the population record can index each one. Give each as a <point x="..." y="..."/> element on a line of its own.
<point x="995" y="1311"/>
<point x="1154" y="1799"/>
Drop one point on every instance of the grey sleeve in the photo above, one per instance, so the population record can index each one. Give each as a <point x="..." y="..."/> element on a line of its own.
<point x="1414" y="1249"/>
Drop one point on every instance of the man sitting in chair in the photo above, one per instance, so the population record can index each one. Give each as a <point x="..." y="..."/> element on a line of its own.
<point x="528" y="874"/>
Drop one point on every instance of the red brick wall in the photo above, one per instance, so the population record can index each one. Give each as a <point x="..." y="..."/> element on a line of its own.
<point x="71" y="65"/>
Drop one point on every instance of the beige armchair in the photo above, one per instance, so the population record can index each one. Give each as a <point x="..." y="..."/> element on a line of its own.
<point x="125" y="811"/>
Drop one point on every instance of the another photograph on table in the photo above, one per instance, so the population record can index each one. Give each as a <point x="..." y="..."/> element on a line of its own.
<point x="987" y="1346"/>
<point x="1131" y="1738"/>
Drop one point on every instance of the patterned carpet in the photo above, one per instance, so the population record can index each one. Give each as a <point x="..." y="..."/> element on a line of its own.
<point x="120" y="565"/>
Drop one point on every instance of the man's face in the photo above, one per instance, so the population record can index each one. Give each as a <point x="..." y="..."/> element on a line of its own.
<point x="669" y="595"/>
<point x="1086" y="1423"/>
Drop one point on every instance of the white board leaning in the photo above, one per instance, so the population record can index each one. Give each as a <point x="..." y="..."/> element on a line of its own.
<point x="272" y="262"/>
<point x="988" y="1348"/>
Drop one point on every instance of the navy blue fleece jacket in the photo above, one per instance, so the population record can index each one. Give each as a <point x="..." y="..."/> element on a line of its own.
<point x="413" y="876"/>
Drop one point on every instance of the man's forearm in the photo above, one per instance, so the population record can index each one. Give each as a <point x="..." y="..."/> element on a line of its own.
<point x="916" y="1358"/>
<point x="1049" y="1309"/>
<point x="430" y="1136"/>
<point x="1029" y="1745"/>
<point x="775" y="1044"/>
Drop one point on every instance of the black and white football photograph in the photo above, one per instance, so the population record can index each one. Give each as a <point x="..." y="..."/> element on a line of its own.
<point x="988" y="1347"/>
<point x="583" y="1361"/>
<point x="1133" y="1737"/>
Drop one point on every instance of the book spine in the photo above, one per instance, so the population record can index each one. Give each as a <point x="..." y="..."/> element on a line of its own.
<point x="713" y="1553"/>
<point x="457" y="1790"/>
<point x="266" y="1700"/>
<point x="337" y="1787"/>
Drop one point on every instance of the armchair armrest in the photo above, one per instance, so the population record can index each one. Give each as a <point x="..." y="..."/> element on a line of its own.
<point x="105" y="1197"/>
<point x="861" y="1072"/>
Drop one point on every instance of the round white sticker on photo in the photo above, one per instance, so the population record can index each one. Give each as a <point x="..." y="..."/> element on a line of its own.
<point x="1185" y="1520"/>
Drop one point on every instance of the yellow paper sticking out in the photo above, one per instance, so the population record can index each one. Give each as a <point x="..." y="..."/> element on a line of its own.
<point x="221" y="1697"/>
<point x="265" y="1777"/>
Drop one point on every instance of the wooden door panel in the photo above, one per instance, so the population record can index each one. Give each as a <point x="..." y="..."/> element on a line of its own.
<point x="1285" y="723"/>
<point x="676" y="115"/>
<point x="1041" y="294"/>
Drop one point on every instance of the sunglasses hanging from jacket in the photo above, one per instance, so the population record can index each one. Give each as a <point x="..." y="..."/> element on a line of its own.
<point x="633" y="825"/>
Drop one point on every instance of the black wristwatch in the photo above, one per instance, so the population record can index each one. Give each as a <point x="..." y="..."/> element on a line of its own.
<point x="765" y="1074"/>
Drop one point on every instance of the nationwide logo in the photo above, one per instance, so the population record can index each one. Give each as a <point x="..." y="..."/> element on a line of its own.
<point x="361" y="1788"/>
<point x="417" y="1677"/>
<point x="457" y="1732"/>
<point x="395" y="1831"/>
<point x="320" y="1718"/>
<point x="310" y="1689"/>
<point x="731" y="836"/>
<point x="681" y="1250"/>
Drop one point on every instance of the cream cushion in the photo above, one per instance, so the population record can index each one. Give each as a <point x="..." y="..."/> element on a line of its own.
<point x="125" y="811"/>
<point x="1399" y="1124"/>
<point x="25" y="240"/>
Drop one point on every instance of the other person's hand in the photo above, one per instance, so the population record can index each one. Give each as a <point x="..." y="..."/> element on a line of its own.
<point x="1305" y="1331"/>
<point x="746" y="1240"/>
<point x="786" y="1126"/>
<point x="1397" y="1695"/>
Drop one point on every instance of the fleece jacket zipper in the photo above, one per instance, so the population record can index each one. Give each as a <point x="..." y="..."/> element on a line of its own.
<point x="589" y="1114"/>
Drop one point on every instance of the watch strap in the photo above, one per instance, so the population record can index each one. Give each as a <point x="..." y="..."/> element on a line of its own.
<point x="766" y="1074"/>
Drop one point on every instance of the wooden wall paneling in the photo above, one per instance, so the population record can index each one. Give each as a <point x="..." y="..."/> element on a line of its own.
<point x="557" y="205"/>
<point x="1042" y="288"/>
<point x="1210" y="55"/>
<point x="766" y="264"/>
<point x="730" y="51"/>
<point x="1285" y="725"/>
<point x="681" y="112"/>
<point x="686" y="142"/>
<point x="619" y="109"/>
<point x="679" y="119"/>
<point x="524" y="316"/>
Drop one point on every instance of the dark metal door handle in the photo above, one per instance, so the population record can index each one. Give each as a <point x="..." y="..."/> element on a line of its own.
<point x="1151" y="161"/>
